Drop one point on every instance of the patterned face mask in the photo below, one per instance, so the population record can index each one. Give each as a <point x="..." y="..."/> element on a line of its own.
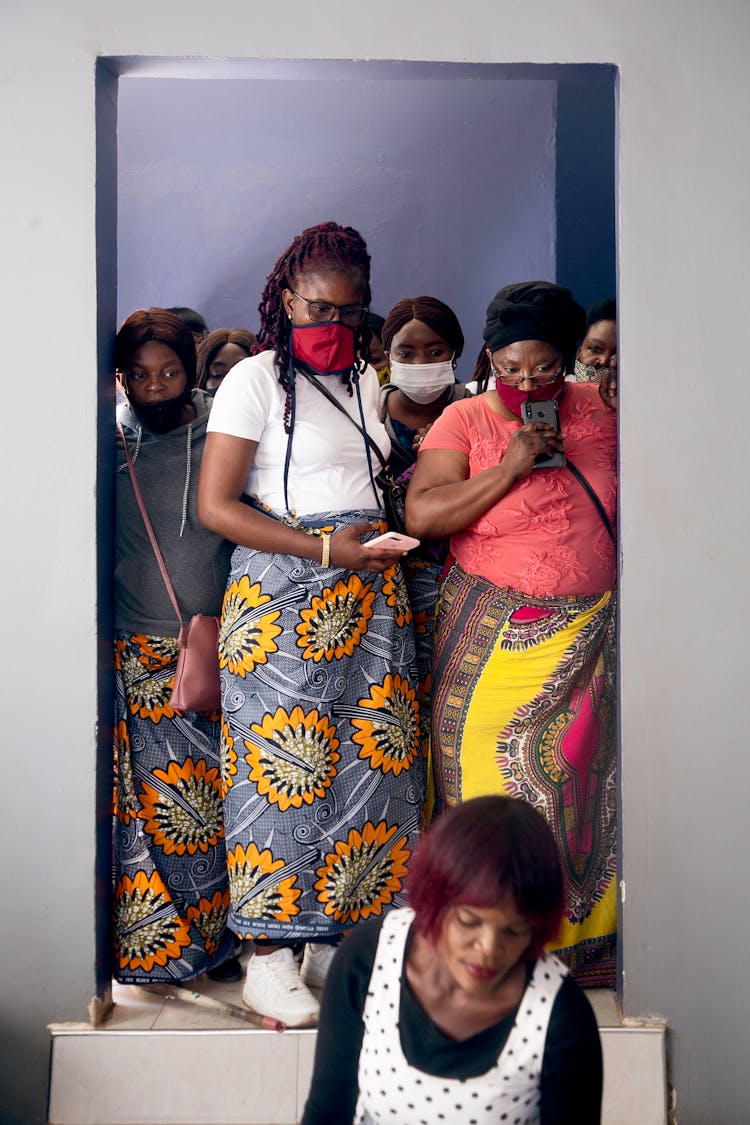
<point x="588" y="372"/>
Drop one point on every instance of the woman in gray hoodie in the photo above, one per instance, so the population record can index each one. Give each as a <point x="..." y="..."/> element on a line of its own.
<point x="171" y="890"/>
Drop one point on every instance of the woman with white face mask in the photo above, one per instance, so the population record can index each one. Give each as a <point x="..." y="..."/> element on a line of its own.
<point x="423" y="340"/>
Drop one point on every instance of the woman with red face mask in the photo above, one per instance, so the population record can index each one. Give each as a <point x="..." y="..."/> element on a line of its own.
<point x="523" y="689"/>
<point x="321" y="759"/>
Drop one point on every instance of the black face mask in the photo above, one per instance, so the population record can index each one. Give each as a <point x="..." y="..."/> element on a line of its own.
<point x="161" y="417"/>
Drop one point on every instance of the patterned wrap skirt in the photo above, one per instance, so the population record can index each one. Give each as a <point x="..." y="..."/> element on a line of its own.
<point x="171" y="888"/>
<point x="422" y="585"/>
<point x="322" y="764"/>
<point x="524" y="705"/>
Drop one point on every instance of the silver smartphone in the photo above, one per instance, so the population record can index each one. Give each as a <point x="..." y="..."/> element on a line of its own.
<point x="545" y="411"/>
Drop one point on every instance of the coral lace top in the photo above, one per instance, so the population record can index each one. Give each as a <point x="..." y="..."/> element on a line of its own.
<point x="545" y="537"/>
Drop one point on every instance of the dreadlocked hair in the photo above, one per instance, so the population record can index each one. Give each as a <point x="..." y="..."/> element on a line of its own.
<point x="327" y="246"/>
<point x="481" y="373"/>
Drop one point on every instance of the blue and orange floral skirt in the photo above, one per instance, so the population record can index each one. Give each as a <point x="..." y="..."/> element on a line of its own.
<point x="171" y="891"/>
<point x="322" y="761"/>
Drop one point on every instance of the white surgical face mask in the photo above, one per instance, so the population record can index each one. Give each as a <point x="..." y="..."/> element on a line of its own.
<point x="422" y="382"/>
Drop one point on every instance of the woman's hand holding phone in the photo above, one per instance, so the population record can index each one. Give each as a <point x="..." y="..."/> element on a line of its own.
<point x="393" y="539"/>
<point x="377" y="554"/>
<point x="535" y="439"/>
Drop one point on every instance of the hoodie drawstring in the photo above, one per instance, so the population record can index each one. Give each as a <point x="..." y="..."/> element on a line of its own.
<point x="188" y="468"/>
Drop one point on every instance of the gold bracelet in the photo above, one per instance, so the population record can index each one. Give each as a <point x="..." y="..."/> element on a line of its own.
<point x="326" y="557"/>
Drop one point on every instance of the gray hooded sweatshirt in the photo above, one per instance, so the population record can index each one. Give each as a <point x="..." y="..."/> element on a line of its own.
<point x="167" y="468"/>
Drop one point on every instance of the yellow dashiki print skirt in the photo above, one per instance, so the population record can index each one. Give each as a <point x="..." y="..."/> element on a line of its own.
<point x="524" y="705"/>
<point x="322" y="760"/>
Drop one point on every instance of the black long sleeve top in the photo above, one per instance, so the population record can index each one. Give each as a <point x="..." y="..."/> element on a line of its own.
<point x="571" y="1075"/>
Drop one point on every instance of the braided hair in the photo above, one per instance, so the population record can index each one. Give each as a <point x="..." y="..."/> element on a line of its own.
<point x="327" y="246"/>
<point x="481" y="374"/>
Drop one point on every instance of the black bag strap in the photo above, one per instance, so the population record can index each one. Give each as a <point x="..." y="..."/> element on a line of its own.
<point x="327" y="394"/>
<point x="593" y="498"/>
<point x="369" y="443"/>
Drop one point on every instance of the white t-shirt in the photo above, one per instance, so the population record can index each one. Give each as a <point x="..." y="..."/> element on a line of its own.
<point x="328" y="468"/>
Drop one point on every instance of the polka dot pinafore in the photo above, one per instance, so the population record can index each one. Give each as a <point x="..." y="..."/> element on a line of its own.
<point x="391" y="1090"/>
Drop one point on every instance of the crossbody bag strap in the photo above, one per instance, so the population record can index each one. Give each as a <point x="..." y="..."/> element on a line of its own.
<point x="147" y="524"/>
<point x="593" y="498"/>
<point x="327" y="394"/>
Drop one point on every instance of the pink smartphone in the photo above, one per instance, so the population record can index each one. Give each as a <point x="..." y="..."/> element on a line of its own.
<point x="393" y="539"/>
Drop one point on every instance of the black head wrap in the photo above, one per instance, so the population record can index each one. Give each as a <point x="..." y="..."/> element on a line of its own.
<point x="534" y="310"/>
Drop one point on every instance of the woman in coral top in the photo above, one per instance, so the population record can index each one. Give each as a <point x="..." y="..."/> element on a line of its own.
<point x="524" y="660"/>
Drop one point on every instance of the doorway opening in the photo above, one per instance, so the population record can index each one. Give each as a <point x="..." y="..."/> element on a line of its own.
<point x="461" y="177"/>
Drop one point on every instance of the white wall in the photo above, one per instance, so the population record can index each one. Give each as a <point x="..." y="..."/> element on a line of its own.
<point x="684" y="248"/>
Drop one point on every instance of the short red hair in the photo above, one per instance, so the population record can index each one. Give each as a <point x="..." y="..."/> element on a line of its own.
<point x="477" y="853"/>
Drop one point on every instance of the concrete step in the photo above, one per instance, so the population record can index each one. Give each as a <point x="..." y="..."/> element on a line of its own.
<point x="193" y="1060"/>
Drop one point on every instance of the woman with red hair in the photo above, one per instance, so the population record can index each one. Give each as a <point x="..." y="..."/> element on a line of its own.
<point x="450" y="1011"/>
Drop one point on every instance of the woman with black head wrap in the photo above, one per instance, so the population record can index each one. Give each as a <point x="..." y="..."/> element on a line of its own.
<point x="523" y="670"/>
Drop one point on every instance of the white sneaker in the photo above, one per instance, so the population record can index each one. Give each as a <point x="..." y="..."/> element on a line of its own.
<point x="273" y="988"/>
<point x="316" y="963"/>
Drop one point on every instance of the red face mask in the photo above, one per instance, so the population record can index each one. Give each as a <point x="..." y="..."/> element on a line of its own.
<point x="514" y="397"/>
<point x="327" y="348"/>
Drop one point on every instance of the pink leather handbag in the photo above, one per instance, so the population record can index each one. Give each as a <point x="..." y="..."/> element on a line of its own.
<point x="196" y="684"/>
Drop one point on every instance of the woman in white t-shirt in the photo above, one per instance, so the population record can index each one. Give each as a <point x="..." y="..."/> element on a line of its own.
<point x="322" y="766"/>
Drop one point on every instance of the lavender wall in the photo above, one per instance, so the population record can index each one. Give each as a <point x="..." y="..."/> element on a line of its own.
<point x="450" y="178"/>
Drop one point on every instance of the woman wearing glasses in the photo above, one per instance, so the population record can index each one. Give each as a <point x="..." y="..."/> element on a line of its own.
<point x="322" y="768"/>
<point x="523" y="689"/>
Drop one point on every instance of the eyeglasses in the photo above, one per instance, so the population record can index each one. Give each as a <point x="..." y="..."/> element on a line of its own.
<point x="322" y="311"/>
<point x="510" y="379"/>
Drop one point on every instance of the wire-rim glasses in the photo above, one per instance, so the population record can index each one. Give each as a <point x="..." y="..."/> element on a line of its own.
<point x="516" y="380"/>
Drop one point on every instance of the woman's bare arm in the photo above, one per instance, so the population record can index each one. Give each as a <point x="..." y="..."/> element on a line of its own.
<point x="442" y="499"/>
<point x="227" y="460"/>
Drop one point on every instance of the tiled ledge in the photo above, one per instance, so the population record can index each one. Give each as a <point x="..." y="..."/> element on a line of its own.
<point x="158" y="1062"/>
